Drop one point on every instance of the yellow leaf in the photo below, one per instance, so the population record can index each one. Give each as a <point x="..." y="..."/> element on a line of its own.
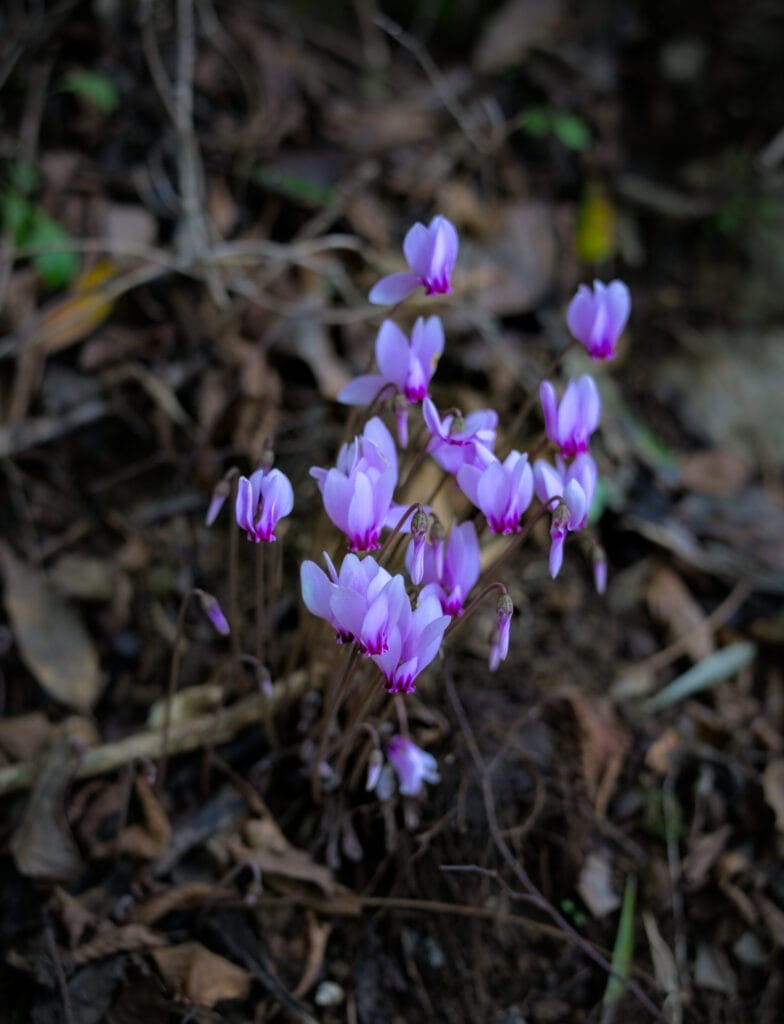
<point x="596" y="223"/>
<point x="78" y="313"/>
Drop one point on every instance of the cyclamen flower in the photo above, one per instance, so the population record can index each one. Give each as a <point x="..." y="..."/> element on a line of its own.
<point x="431" y="253"/>
<point x="597" y="319"/>
<point x="457" y="442"/>
<point x="458" y="572"/>
<point x="570" y="424"/>
<point x="414" y="640"/>
<point x="362" y="603"/>
<point x="357" y="493"/>
<point x="262" y="500"/>
<point x="406" y="366"/>
<point x="412" y="764"/>
<point x="576" y="485"/>
<point x="502" y="491"/>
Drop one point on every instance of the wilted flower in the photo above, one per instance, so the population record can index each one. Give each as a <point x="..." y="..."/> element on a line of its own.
<point x="412" y="764"/>
<point x="502" y="490"/>
<point x="452" y="580"/>
<point x="406" y="366"/>
<point x="575" y="485"/>
<point x="456" y="441"/>
<point x="357" y="493"/>
<point x="431" y="253"/>
<point x="570" y="424"/>
<point x="500" y="648"/>
<point x="597" y="318"/>
<point x="263" y="499"/>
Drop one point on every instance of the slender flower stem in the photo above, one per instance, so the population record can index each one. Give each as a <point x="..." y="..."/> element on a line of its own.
<point x="402" y="717"/>
<point x="533" y="398"/>
<point x="518" y="538"/>
<point x="357" y="721"/>
<point x="333" y="701"/>
<point x="174" y="672"/>
<point x="234" y="561"/>
<point x="437" y="489"/>
<point x="261" y="618"/>
<point x="272" y="593"/>
<point x="458" y="620"/>
<point x="398" y="527"/>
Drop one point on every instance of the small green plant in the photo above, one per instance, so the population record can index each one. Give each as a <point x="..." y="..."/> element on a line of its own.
<point x="28" y="224"/>
<point x="92" y="86"/>
<point x="570" y="909"/>
<point x="569" y="129"/>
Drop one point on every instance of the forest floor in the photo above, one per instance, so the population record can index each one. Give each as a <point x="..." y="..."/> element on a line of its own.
<point x="195" y="202"/>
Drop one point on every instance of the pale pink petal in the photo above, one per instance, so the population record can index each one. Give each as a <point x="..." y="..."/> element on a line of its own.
<point x="393" y="289"/>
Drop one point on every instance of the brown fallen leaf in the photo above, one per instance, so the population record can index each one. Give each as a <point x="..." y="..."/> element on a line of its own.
<point x="180" y="897"/>
<point x="514" y="28"/>
<point x="715" y="472"/>
<point x="78" y="314"/>
<point x="23" y="736"/>
<point x="670" y="601"/>
<point x="52" y="641"/>
<point x="195" y="975"/>
<point x="268" y="848"/>
<point x="76" y="918"/>
<point x="146" y="841"/>
<point x="111" y="939"/>
<point x="42" y="845"/>
<point x="703" y="855"/>
<point x="318" y="934"/>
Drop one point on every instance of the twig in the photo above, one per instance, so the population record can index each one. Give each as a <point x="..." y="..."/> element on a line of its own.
<point x="184" y="736"/>
<point x="536" y="897"/>
<point x="174" y="672"/>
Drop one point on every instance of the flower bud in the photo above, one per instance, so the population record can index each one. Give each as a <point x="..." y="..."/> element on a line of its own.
<point x="375" y="764"/>
<point x="500" y="648"/>
<point x="599" y="569"/>
<point x="213" y="612"/>
<point x="401" y="419"/>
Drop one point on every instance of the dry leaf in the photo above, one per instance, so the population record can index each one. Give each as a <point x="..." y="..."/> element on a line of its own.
<point x="181" y="897"/>
<point x="595" y="885"/>
<point x="704" y="853"/>
<point x="42" y="845"/>
<point x="23" y="736"/>
<point x="318" y="934"/>
<point x="79" y="313"/>
<point x="662" y="752"/>
<point x="111" y="939"/>
<point x="195" y="975"/>
<point x="52" y="641"/>
<point x="269" y="849"/>
<point x="146" y="841"/>
<point x="187" y="703"/>
<point x="773" y="787"/>
<point x="670" y="601"/>
<point x="76" y="918"/>
<point x="512" y="30"/>
<point x="85" y="577"/>
<point x="714" y="472"/>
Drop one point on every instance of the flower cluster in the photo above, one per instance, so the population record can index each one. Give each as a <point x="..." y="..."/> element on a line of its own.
<point x="394" y="609"/>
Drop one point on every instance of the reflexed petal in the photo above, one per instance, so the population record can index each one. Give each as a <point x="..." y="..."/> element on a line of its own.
<point x="549" y="408"/>
<point x="316" y="590"/>
<point x="417" y="248"/>
<point x="392" y="289"/>
<point x="427" y="342"/>
<point x="363" y="390"/>
<point x="619" y="303"/>
<point x="393" y="353"/>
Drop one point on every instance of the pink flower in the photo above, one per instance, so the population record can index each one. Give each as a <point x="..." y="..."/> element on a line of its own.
<point x="262" y="500"/>
<point x="597" y="318"/>
<point x="414" y="640"/>
<point x="570" y="424"/>
<point x="362" y="603"/>
<point x="357" y="493"/>
<point x="457" y="442"/>
<point x="412" y="764"/>
<point x="502" y="491"/>
<point x="500" y="648"/>
<point x="431" y="253"/>
<point x="452" y="582"/>
<point x="406" y="366"/>
<point x="576" y="486"/>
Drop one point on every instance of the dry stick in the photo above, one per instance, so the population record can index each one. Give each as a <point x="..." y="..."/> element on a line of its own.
<point x="234" y="580"/>
<point x="536" y="897"/>
<point x="184" y="736"/>
<point x="533" y="398"/>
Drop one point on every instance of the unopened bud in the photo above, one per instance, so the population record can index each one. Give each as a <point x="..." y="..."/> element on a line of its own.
<point x="559" y="526"/>
<point x="500" y="648"/>
<point x="437" y="536"/>
<point x="419" y="524"/>
<point x="213" y="612"/>
<point x="457" y="425"/>
<point x="400" y="406"/>
<point x="599" y="569"/>
<point x="220" y="493"/>
<point x="375" y="764"/>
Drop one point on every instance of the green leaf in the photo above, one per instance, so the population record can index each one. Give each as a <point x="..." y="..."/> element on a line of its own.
<point x="60" y="266"/>
<point x="571" y="131"/>
<point x="294" y="186"/>
<point x="537" y="121"/>
<point x="717" y="667"/>
<point x="624" y="946"/>
<point x="94" y="87"/>
<point x="23" y="176"/>
<point x="17" y="215"/>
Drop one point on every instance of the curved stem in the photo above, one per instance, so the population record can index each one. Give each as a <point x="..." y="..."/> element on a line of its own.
<point x="174" y="672"/>
<point x="497" y="585"/>
<point x="533" y="398"/>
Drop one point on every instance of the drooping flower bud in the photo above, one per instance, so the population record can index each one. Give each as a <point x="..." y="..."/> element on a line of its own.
<point x="219" y="495"/>
<point x="437" y="537"/>
<point x="599" y="568"/>
<point x="419" y="522"/>
<point x="401" y="419"/>
<point x="213" y="612"/>
<point x="500" y="648"/>
<point x="375" y="764"/>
